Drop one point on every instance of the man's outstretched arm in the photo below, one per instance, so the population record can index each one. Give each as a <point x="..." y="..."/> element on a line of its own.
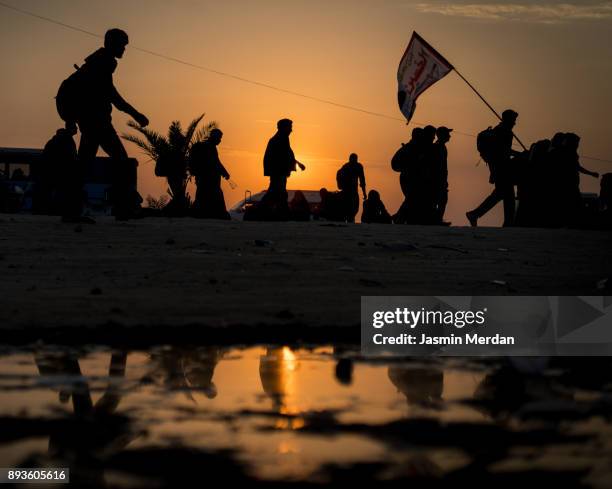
<point x="120" y="103"/>
<point x="221" y="169"/>
<point x="362" y="182"/>
<point x="584" y="171"/>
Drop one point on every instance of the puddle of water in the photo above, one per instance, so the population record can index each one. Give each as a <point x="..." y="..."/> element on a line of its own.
<point x="277" y="413"/>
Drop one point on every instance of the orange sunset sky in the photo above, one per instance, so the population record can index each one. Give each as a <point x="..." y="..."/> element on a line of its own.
<point x="548" y="60"/>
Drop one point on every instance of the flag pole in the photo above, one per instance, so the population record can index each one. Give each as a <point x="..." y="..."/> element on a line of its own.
<point x="486" y="103"/>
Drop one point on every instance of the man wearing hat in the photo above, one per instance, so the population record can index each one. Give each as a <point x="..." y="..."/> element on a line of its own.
<point x="501" y="171"/>
<point x="440" y="174"/>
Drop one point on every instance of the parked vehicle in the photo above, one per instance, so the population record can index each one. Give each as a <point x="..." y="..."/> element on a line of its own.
<point x="237" y="211"/>
<point x="18" y="179"/>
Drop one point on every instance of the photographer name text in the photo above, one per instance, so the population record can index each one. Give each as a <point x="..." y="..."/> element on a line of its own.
<point x="411" y="319"/>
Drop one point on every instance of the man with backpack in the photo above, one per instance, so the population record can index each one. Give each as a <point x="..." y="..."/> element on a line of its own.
<point x="348" y="177"/>
<point x="86" y="99"/>
<point x="495" y="147"/>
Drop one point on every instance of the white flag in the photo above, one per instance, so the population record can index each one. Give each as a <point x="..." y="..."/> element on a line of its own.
<point x="420" y="67"/>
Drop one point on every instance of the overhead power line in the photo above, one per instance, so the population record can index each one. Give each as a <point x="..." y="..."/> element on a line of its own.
<point x="237" y="77"/>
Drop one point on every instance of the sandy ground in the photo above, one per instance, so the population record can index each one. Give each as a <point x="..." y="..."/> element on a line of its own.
<point x="94" y="281"/>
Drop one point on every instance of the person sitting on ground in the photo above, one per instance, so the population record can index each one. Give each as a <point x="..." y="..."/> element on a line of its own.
<point x="58" y="177"/>
<point x="374" y="210"/>
<point x="299" y="209"/>
<point x="331" y="207"/>
<point x="18" y="175"/>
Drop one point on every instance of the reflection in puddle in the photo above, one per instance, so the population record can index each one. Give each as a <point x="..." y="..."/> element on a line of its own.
<point x="278" y="369"/>
<point x="277" y="413"/>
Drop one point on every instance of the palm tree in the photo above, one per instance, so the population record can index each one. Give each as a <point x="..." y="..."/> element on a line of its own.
<point x="171" y="155"/>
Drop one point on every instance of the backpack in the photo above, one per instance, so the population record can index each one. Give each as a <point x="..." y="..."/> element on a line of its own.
<point x="67" y="100"/>
<point x="343" y="178"/>
<point x="194" y="161"/>
<point x="162" y="166"/>
<point x="486" y="143"/>
<point x="397" y="162"/>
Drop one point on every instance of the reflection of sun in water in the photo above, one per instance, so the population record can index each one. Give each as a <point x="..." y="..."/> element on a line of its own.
<point x="277" y="369"/>
<point x="286" y="448"/>
<point x="289" y="359"/>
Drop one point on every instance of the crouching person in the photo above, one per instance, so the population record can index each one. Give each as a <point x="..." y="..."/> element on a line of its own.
<point x="207" y="169"/>
<point x="374" y="210"/>
<point x="59" y="178"/>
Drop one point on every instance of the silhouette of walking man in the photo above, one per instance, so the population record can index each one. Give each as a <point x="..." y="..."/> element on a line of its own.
<point x="349" y="176"/>
<point x="440" y="173"/>
<point x="279" y="162"/>
<point x="569" y="168"/>
<point x="207" y="168"/>
<point x="96" y="97"/>
<point x="407" y="160"/>
<point x="497" y="154"/>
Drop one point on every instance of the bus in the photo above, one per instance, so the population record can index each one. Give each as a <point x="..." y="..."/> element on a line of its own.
<point x="20" y="173"/>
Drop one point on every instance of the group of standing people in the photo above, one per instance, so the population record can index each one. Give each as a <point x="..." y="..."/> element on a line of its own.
<point x="423" y="167"/>
<point x="546" y="177"/>
<point x="554" y="165"/>
<point x="422" y="164"/>
<point x="85" y="101"/>
<point x="342" y="205"/>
